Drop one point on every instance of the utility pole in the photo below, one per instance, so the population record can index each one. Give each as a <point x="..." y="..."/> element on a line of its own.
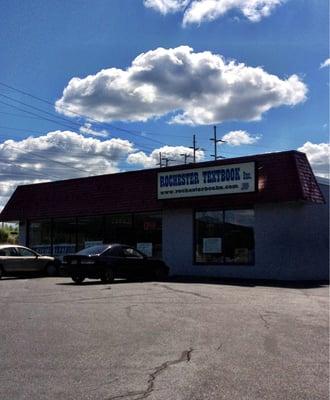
<point x="194" y="148"/>
<point x="186" y="156"/>
<point x="216" y="141"/>
<point x="160" y="160"/>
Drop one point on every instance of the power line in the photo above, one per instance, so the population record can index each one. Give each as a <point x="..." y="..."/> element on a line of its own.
<point x="58" y="122"/>
<point x="131" y="132"/>
<point x="18" y="115"/>
<point x="53" y="115"/>
<point x="142" y="148"/>
<point x="32" y="113"/>
<point x="46" y="158"/>
<point x="75" y="113"/>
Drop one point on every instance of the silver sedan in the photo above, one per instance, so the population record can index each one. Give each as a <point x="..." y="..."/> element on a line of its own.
<point x="15" y="260"/>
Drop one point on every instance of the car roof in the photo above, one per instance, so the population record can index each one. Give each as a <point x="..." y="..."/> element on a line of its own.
<point x="2" y="246"/>
<point x="7" y="245"/>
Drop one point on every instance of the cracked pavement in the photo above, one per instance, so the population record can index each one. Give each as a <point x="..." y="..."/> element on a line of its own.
<point x="164" y="340"/>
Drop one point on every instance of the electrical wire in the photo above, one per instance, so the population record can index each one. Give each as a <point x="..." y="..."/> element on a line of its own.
<point x="131" y="132"/>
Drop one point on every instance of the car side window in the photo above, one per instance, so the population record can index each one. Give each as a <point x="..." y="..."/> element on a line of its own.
<point x="114" y="252"/>
<point x="25" y="252"/>
<point x="130" y="252"/>
<point x="8" y="252"/>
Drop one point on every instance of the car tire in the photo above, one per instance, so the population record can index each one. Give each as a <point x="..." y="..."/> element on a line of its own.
<point x="107" y="276"/>
<point x="51" y="269"/>
<point x="160" y="274"/>
<point x="78" y="278"/>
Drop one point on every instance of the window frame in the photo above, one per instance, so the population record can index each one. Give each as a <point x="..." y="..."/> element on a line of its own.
<point x="53" y="221"/>
<point x="214" y="263"/>
<point x="22" y="249"/>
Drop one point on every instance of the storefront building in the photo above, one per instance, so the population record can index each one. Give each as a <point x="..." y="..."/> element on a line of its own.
<point x="260" y="217"/>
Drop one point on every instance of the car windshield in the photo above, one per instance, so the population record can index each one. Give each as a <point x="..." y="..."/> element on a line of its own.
<point x="93" y="250"/>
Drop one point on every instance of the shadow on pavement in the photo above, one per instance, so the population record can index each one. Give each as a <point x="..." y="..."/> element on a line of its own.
<point x="213" y="281"/>
<point x="97" y="282"/>
<point x="250" y="282"/>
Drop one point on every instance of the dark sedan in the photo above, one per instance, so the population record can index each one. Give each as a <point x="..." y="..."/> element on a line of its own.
<point x="110" y="261"/>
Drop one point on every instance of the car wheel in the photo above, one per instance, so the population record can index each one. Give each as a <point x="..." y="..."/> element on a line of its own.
<point x="51" y="269"/>
<point x="78" y="278"/>
<point x="107" y="276"/>
<point x="160" y="274"/>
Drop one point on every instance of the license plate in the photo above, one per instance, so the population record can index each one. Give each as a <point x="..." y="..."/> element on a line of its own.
<point x="74" y="262"/>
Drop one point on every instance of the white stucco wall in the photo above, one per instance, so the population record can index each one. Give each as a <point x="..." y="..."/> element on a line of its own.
<point x="292" y="243"/>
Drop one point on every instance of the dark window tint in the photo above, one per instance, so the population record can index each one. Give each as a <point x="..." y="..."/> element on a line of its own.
<point x="90" y="231"/>
<point x="209" y="236"/>
<point x="40" y="236"/>
<point x="119" y="229"/>
<point x="224" y="237"/>
<point x="25" y="252"/>
<point x="148" y="233"/>
<point x="116" y="251"/>
<point x="64" y="236"/>
<point x="94" y="250"/>
<point x="129" y="252"/>
<point x="239" y="236"/>
<point x="9" y="252"/>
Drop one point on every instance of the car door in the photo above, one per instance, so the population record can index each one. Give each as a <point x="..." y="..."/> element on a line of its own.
<point x="134" y="262"/>
<point x="9" y="259"/>
<point x="114" y="257"/>
<point x="28" y="260"/>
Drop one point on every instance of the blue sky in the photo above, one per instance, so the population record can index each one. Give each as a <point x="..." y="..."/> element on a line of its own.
<point x="44" y="44"/>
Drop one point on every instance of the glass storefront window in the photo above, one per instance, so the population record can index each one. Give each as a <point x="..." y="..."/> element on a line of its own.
<point x="40" y="236"/>
<point x="148" y="233"/>
<point x="90" y="231"/>
<point x="209" y="236"/>
<point x="239" y="236"/>
<point x="64" y="234"/>
<point x="224" y="237"/>
<point x="69" y="235"/>
<point x="119" y="229"/>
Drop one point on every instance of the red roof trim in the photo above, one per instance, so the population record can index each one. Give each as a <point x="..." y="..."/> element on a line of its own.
<point x="282" y="177"/>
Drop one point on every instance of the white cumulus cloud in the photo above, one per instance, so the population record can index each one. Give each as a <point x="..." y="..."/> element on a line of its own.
<point x="326" y="63"/>
<point x="87" y="129"/>
<point x="318" y="155"/>
<point x="174" y="154"/>
<point x="166" y="6"/>
<point x="237" y="138"/>
<point x="57" y="155"/>
<point x="199" y="11"/>
<point x="196" y="88"/>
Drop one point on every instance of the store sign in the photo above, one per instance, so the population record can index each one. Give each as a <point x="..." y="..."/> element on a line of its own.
<point x="227" y="179"/>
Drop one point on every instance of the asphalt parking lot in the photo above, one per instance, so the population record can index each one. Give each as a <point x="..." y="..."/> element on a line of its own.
<point x="162" y="340"/>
